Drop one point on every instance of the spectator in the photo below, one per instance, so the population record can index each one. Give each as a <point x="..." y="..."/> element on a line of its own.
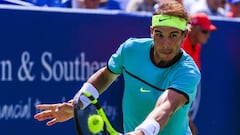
<point x="49" y="3"/>
<point x="188" y="4"/>
<point x="209" y="7"/>
<point x="88" y="4"/>
<point x="112" y="4"/>
<point x="199" y="34"/>
<point x="141" y="5"/>
<point x="234" y="6"/>
<point x="122" y="4"/>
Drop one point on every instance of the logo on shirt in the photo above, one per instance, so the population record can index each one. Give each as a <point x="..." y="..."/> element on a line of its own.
<point x="144" y="90"/>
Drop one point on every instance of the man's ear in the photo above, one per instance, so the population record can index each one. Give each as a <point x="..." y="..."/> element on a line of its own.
<point x="151" y="31"/>
<point x="185" y="33"/>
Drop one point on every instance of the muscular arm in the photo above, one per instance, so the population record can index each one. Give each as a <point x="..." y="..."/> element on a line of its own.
<point x="167" y="104"/>
<point x="63" y="111"/>
<point x="102" y="79"/>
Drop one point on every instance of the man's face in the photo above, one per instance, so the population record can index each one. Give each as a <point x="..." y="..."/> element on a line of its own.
<point x="215" y="4"/>
<point x="92" y="4"/>
<point x="235" y="8"/>
<point x="202" y="35"/>
<point x="167" y="42"/>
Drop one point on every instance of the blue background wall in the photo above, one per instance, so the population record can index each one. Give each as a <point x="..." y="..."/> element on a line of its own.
<point x="35" y="44"/>
<point x="220" y="81"/>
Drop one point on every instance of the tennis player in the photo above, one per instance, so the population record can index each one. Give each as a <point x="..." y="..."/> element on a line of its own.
<point x="161" y="79"/>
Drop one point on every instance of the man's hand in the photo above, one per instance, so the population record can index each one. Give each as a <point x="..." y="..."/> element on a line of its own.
<point x="56" y="112"/>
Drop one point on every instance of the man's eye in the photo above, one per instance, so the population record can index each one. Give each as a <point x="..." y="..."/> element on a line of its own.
<point x="159" y="35"/>
<point x="173" y="35"/>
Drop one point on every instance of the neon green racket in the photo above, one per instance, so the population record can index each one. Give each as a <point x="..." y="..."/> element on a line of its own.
<point x="90" y="122"/>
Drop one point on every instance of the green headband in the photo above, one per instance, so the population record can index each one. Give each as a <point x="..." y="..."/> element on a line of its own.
<point x="171" y="21"/>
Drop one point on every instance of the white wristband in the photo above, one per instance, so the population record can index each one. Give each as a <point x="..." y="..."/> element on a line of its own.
<point x="87" y="87"/>
<point x="149" y="127"/>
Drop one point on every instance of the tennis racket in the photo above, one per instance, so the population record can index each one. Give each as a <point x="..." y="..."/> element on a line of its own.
<point x="82" y="118"/>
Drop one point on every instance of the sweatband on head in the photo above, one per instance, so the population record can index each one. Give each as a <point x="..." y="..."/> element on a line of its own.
<point x="89" y="88"/>
<point x="171" y="21"/>
<point x="149" y="127"/>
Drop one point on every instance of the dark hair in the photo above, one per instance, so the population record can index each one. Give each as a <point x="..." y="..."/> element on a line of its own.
<point x="172" y="8"/>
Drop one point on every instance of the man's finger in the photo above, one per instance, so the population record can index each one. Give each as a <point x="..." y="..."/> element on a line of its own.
<point x="52" y="122"/>
<point x="44" y="115"/>
<point x="46" y="106"/>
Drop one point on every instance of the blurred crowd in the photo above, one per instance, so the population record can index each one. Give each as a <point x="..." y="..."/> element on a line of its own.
<point x="225" y="8"/>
